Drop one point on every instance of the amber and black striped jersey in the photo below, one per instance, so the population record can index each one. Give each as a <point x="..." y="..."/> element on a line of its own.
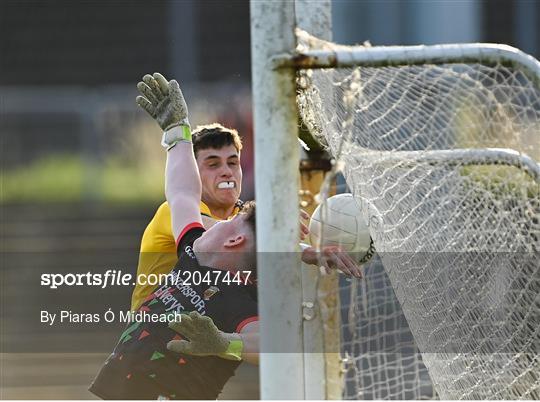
<point x="158" y="249"/>
<point x="141" y="366"/>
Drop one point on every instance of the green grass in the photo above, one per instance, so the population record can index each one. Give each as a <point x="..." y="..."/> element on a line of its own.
<point x="64" y="178"/>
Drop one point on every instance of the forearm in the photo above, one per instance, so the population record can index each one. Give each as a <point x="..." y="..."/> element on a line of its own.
<point x="181" y="174"/>
<point x="182" y="187"/>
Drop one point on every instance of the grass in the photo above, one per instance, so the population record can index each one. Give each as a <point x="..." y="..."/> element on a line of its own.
<point x="132" y="171"/>
<point x="65" y="178"/>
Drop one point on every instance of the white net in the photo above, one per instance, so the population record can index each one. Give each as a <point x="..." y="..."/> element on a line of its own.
<point x="442" y="159"/>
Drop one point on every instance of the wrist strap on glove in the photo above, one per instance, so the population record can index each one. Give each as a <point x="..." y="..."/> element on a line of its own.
<point x="175" y="135"/>
<point x="234" y="351"/>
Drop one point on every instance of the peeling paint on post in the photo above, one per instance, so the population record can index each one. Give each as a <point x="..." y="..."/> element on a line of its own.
<point x="277" y="177"/>
<point x="283" y="375"/>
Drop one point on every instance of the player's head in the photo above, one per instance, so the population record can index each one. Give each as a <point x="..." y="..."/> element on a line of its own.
<point x="217" y="151"/>
<point x="231" y="243"/>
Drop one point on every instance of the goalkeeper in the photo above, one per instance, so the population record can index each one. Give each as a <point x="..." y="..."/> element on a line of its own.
<point x="141" y="366"/>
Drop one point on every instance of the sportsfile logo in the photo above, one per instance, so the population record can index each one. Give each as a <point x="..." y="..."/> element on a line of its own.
<point x="113" y="277"/>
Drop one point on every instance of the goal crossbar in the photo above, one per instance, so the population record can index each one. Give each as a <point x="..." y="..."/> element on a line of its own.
<point x="382" y="56"/>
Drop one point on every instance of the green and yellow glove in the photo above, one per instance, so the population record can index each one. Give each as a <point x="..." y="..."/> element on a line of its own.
<point x="164" y="102"/>
<point x="205" y="339"/>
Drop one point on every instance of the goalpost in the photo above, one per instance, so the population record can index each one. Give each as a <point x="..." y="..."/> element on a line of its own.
<point x="280" y="291"/>
<point x="284" y="374"/>
<point x="439" y="145"/>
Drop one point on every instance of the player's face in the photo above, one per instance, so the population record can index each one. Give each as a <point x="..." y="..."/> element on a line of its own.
<point x="221" y="176"/>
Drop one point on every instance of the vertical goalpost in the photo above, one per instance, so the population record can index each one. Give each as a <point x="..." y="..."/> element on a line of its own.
<point x="276" y="156"/>
<point x="283" y="366"/>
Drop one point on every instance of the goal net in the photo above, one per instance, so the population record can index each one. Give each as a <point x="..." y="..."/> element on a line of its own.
<point x="439" y="147"/>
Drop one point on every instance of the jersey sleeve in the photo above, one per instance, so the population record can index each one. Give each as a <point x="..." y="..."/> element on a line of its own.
<point x="237" y="309"/>
<point x="189" y="234"/>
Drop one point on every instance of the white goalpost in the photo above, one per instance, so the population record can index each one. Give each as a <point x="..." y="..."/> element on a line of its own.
<point x="281" y="308"/>
<point x="439" y="146"/>
<point x="277" y="159"/>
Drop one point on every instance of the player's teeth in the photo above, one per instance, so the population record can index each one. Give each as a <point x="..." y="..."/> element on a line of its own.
<point x="226" y="184"/>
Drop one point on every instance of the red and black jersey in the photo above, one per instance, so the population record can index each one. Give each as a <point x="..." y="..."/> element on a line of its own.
<point x="141" y="366"/>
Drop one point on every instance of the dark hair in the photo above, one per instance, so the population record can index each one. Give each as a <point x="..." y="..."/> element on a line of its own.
<point x="215" y="136"/>
<point x="248" y="213"/>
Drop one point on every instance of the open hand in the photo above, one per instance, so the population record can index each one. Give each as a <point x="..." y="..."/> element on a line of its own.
<point x="204" y="338"/>
<point x="331" y="258"/>
<point x="163" y="100"/>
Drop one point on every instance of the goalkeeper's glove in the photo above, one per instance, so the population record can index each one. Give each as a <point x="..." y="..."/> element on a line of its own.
<point x="205" y="339"/>
<point x="165" y="102"/>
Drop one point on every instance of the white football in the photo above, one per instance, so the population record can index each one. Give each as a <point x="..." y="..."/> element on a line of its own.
<point x="343" y="226"/>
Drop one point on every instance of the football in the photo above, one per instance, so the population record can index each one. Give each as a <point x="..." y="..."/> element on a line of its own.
<point x="340" y="223"/>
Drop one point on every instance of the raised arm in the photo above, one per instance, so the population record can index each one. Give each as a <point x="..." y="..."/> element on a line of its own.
<point x="182" y="187"/>
<point x="164" y="102"/>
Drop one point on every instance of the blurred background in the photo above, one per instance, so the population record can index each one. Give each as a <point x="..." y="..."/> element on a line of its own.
<point x="82" y="169"/>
